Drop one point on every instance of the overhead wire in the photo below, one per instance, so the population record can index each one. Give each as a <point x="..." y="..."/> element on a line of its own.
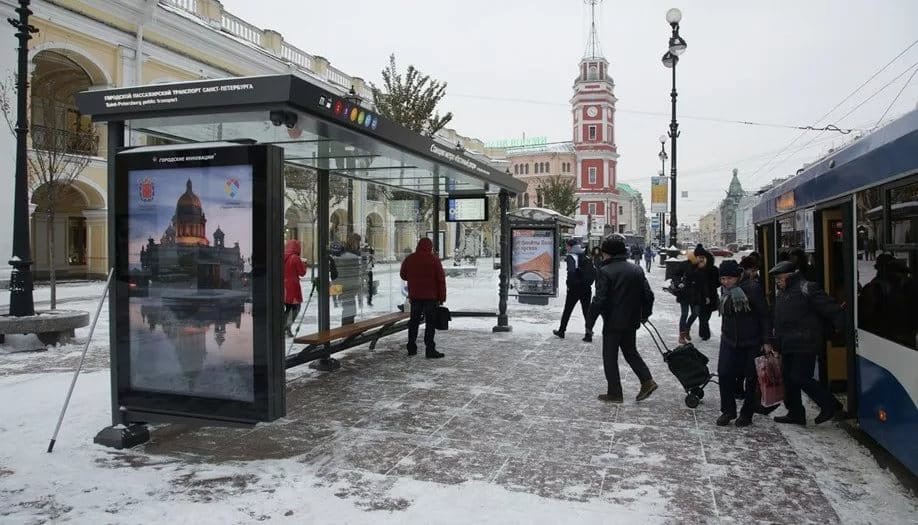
<point x="838" y="105"/>
<point x="899" y="94"/>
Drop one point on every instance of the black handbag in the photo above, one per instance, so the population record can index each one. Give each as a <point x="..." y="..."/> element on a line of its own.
<point x="442" y="318"/>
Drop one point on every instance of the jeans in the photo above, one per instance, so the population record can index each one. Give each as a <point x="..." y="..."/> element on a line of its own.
<point x="737" y="362"/>
<point x="689" y="314"/>
<point x="648" y="263"/>
<point x="583" y="296"/>
<point x="797" y="370"/>
<point x="627" y="342"/>
<point x="428" y="309"/>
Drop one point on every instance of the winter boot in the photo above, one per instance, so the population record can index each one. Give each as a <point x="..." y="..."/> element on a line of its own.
<point x="288" y="333"/>
<point x="744" y="420"/>
<point x="791" y="419"/>
<point x="559" y="333"/>
<point x="588" y="338"/>
<point x="611" y="398"/>
<point x="765" y="410"/>
<point x="433" y="354"/>
<point x="724" y="419"/>
<point x="825" y="415"/>
<point x="683" y="338"/>
<point x="647" y="388"/>
<point x="412" y="349"/>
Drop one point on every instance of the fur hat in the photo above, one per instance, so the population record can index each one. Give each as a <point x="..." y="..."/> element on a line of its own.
<point x="614" y="246"/>
<point x="730" y="268"/>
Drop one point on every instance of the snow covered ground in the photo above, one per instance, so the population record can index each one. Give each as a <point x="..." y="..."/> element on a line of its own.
<point x="505" y="429"/>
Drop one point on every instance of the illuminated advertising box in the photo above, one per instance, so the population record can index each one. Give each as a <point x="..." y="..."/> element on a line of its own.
<point x="197" y="295"/>
<point x="534" y="264"/>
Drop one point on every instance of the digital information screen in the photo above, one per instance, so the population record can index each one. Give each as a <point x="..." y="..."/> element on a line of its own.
<point x="467" y="209"/>
<point x="198" y="289"/>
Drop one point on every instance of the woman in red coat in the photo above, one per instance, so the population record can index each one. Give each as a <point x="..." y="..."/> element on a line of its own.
<point x="293" y="294"/>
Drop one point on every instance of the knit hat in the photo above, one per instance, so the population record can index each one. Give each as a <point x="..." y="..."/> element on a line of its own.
<point x="614" y="246"/>
<point x="749" y="262"/>
<point x="730" y="268"/>
<point x="699" y="250"/>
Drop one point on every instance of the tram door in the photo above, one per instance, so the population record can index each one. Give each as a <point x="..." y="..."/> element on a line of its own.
<point x="837" y="281"/>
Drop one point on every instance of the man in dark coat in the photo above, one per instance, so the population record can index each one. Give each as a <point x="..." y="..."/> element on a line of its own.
<point x="745" y="328"/>
<point x="710" y="285"/>
<point x="580" y="277"/>
<point x="624" y="299"/>
<point x="802" y="311"/>
<point x="426" y="290"/>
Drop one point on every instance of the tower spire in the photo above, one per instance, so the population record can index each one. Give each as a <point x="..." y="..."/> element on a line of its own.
<point x="593" y="48"/>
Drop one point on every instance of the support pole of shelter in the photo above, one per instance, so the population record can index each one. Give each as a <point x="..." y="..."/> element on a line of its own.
<point x="503" y="322"/>
<point x="436" y="213"/>
<point x="115" y="144"/>
<point x="326" y="363"/>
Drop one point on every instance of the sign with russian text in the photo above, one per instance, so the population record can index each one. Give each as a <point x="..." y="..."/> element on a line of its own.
<point x="534" y="265"/>
<point x="659" y="190"/>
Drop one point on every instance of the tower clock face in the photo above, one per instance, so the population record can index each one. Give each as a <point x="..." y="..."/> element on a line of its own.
<point x="592" y="111"/>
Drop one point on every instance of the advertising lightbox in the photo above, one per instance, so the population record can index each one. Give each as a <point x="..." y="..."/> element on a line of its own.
<point x="197" y="295"/>
<point x="467" y="209"/>
<point x="534" y="261"/>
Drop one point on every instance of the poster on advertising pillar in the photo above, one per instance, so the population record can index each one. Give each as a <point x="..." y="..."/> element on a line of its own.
<point x="659" y="190"/>
<point x="198" y="289"/>
<point x="534" y="254"/>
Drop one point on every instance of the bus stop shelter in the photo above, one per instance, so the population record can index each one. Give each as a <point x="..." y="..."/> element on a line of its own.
<point x="333" y="136"/>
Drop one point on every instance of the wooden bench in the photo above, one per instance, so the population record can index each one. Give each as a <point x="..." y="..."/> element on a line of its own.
<point x="321" y="345"/>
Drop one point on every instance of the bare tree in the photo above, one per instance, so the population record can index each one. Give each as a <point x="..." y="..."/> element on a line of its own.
<point x="62" y="145"/>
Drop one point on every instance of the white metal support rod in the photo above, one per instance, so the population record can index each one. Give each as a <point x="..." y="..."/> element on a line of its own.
<point x="76" y="373"/>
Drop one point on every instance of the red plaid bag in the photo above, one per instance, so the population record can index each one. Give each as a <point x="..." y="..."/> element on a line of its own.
<point x="771" y="383"/>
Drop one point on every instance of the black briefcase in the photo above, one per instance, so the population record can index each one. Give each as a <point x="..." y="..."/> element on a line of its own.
<point x="442" y="318"/>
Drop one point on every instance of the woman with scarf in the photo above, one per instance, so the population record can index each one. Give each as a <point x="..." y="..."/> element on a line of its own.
<point x="745" y="327"/>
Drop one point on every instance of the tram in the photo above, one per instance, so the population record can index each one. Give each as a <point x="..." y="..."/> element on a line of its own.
<point x="855" y="214"/>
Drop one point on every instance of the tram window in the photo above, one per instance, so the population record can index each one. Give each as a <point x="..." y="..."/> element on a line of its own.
<point x="790" y="237"/>
<point x="888" y="298"/>
<point x="903" y="214"/>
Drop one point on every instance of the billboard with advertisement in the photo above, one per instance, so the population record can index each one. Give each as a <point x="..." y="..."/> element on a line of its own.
<point x="659" y="190"/>
<point x="197" y="296"/>
<point x="582" y="227"/>
<point x="534" y="261"/>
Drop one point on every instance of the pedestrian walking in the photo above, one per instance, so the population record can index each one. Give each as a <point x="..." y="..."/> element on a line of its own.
<point x="624" y="300"/>
<point x="426" y="290"/>
<point x="689" y="287"/>
<point x="750" y="265"/>
<point x="745" y="328"/>
<point x="648" y="258"/>
<point x="580" y="277"/>
<point x="350" y="278"/>
<point x="294" y="269"/>
<point x="711" y="283"/>
<point x="636" y="254"/>
<point x="803" y="314"/>
<point x="596" y="256"/>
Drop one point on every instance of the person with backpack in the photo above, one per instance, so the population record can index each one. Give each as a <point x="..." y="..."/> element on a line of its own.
<point x="803" y="314"/>
<point x="580" y="277"/>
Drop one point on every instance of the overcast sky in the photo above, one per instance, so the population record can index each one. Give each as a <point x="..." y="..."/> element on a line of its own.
<point x="777" y="62"/>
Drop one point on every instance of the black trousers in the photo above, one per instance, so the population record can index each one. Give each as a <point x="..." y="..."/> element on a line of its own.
<point x="574" y="295"/>
<point x="427" y="309"/>
<point x="797" y="370"/>
<point x="626" y="341"/>
<point x="370" y="287"/>
<point x="704" y="319"/>
<point x="737" y="363"/>
<point x="291" y="311"/>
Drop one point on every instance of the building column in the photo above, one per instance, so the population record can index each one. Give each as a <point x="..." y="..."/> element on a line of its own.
<point x="97" y="263"/>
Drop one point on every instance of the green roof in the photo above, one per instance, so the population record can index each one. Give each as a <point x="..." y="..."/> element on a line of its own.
<point x="628" y="189"/>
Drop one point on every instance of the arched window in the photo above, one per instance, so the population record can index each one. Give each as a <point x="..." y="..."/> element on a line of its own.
<point x="525" y="199"/>
<point x="516" y="169"/>
<point x="547" y="167"/>
<point x="527" y="169"/>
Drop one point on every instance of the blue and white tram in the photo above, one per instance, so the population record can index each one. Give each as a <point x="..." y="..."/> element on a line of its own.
<point x="855" y="214"/>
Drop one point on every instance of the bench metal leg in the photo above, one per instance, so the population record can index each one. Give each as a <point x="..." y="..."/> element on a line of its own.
<point x="382" y="332"/>
<point x="326" y="363"/>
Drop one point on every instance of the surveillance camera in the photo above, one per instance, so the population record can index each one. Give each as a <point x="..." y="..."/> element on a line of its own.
<point x="290" y="119"/>
<point x="277" y="117"/>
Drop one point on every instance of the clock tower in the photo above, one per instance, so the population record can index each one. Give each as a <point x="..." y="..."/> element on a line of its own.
<point x="593" y="106"/>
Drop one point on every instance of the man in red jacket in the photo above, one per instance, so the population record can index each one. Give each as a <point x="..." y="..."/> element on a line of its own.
<point x="426" y="291"/>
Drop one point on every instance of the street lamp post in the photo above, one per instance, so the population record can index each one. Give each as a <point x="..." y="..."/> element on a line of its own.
<point x="21" y="302"/>
<point x="677" y="46"/>
<point x="663" y="158"/>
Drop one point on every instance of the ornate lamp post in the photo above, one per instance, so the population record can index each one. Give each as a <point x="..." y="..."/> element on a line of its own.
<point x="677" y="46"/>
<point x="663" y="156"/>
<point x="21" y="302"/>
